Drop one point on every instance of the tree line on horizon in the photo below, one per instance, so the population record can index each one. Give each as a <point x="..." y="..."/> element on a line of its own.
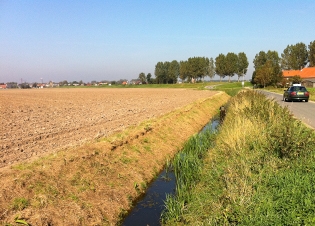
<point x="269" y="65"/>
<point x="197" y="68"/>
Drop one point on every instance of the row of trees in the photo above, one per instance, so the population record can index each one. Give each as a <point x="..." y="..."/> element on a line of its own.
<point x="193" y="69"/>
<point x="167" y="72"/>
<point x="231" y="64"/>
<point x="197" y="68"/>
<point x="295" y="57"/>
<point x="268" y="65"/>
<point x="146" y="79"/>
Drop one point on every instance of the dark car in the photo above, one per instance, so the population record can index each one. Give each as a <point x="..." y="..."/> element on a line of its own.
<point x="296" y="92"/>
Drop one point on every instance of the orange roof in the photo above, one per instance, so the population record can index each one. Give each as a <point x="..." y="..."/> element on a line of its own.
<point x="308" y="72"/>
<point x="291" y="73"/>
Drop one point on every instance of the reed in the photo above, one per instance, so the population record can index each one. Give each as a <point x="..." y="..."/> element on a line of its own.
<point x="187" y="167"/>
<point x="261" y="170"/>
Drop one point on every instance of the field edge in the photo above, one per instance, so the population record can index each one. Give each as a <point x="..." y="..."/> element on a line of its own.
<point x="97" y="182"/>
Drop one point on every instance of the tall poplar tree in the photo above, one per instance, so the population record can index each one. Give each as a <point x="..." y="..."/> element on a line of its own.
<point x="294" y="57"/>
<point x="231" y="61"/>
<point x="197" y="68"/>
<point x="183" y="70"/>
<point x="260" y="61"/>
<point x="166" y="72"/>
<point x="220" y="66"/>
<point x="160" y="72"/>
<point x="204" y="64"/>
<point x="242" y="65"/>
<point x="173" y="72"/>
<point x="264" y="74"/>
<point x="211" y="68"/>
<point x="274" y="58"/>
<point x="311" y="54"/>
<point x="142" y="78"/>
<point x="149" y="76"/>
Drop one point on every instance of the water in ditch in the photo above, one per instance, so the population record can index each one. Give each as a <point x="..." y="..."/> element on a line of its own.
<point x="148" y="210"/>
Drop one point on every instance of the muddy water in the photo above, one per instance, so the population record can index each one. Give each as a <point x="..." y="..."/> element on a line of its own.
<point x="147" y="211"/>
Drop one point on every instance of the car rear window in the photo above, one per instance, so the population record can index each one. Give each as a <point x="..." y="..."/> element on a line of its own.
<point x="298" y="88"/>
<point x="303" y="89"/>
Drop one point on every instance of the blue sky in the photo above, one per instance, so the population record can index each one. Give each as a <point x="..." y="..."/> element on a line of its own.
<point x="110" y="40"/>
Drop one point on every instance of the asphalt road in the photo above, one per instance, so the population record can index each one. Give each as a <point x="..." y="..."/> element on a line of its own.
<point x="301" y="110"/>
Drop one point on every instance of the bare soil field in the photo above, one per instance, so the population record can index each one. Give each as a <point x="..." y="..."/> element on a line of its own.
<point x="37" y="122"/>
<point x="53" y="170"/>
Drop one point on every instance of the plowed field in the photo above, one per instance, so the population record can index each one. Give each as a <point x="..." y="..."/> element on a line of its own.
<point x="36" y="122"/>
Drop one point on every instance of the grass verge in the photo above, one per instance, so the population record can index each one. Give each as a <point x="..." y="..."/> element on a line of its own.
<point x="261" y="171"/>
<point x="232" y="88"/>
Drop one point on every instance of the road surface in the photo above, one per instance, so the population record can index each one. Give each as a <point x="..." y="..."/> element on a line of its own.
<point x="301" y="110"/>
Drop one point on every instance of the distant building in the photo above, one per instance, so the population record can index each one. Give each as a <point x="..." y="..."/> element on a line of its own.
<point x="135" y="82"/>
<point x="12" y="85"/>
<point x="306" y="74"/>
<point x="40" y="85"/>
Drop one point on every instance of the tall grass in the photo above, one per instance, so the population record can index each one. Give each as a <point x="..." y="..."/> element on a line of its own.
<point x="187" y="167"/>
<point x="261" y="171"/>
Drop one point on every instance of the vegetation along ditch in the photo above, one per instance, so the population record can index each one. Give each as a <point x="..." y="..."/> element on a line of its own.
<point x="186" y="164"/>
<point x="261" y="171"/>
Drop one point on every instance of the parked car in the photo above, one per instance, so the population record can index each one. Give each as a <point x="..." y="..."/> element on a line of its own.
<point x="296" y="92"/>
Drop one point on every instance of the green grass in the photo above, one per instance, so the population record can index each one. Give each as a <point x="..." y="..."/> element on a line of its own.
<point x="232" y="88"/>
<point x="261" y="171"/>
<point x="187" y="166"/>
<point x="231" y="85"/>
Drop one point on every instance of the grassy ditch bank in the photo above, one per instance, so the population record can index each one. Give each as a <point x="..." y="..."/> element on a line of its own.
<point x="260" y="172"/>
<point x="187" y="166"/>
<point x="95" y="184"/>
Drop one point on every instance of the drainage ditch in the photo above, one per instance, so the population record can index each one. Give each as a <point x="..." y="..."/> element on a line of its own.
<point x="147" y="211"/>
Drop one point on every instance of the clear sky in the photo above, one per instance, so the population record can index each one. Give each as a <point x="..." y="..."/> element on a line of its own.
<point x="98" y="40"/>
